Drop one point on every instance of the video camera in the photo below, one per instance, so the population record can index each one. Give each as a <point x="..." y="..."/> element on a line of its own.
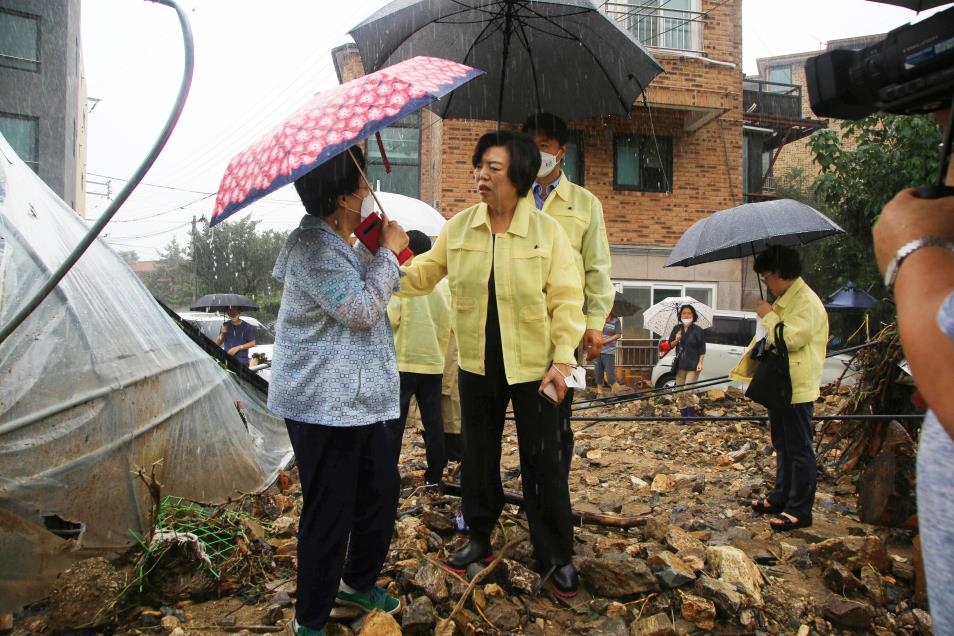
<point x="911" y="71"/>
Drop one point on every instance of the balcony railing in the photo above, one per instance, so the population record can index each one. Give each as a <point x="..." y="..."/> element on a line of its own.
<point x="660" y="27"/>
<point x="772" y="98"/>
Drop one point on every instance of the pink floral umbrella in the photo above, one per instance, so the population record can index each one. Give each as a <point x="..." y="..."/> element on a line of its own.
<point x="331" y="122"/>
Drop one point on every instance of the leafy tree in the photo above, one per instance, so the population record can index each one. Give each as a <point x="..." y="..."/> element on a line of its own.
<point x="862" y="167"/>
<point x="171" y="281"/>
<point x="130" y="256"/>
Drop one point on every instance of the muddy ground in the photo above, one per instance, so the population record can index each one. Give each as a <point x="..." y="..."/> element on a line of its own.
<point x="694" y="558"/>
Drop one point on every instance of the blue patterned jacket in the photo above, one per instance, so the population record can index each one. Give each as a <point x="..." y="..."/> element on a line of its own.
<point x="333" y="361"/>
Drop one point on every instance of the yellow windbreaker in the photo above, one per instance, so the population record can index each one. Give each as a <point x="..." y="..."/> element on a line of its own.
<point x="421" y="326"/>
<point x="806" y="335"/>
<point x="538" y="290"/>
<point x="580" y="214"/>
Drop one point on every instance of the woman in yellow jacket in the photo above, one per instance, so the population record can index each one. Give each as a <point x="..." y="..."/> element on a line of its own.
<point x="805" y="334"/>
<point x="517" y="315"/>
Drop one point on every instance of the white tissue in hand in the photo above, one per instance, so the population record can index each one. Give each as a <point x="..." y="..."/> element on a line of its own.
<point x="576" y="379"/>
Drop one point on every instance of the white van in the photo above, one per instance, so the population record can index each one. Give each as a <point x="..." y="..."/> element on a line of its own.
<point x="726" y="340"/>
<point x="210" y="323"/>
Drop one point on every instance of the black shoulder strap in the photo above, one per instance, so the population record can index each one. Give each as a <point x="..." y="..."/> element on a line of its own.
<point x="780" y="340"/>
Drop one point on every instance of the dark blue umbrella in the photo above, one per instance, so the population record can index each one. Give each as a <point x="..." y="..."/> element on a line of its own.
<point x="850" y="298"/>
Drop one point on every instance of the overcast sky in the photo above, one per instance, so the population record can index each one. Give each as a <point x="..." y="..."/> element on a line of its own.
<point x="256" y="62"/>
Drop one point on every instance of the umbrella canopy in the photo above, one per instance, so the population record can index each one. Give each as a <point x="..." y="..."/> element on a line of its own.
<point x="850" y="298"/>
<point x="664" y="315"/>
<point x="537" y="55"/>
<point x="915" y="5"/>
<point x="748" y="229"/>
<point x="331" y="122"/>
<point x="622" y="306"/>
<point x="411" y="213"/>
<point x="221" y="302"/>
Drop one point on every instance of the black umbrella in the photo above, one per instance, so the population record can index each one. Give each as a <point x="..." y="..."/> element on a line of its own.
<point x="560" y="56"/>
<point x="748" y="229"/>
<point x="622" y="306"/>
<point x="221" y="302"/>
<point x="915" y="5"/>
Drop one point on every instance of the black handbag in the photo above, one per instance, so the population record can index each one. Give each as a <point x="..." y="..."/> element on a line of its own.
<point x="771" y="385"/>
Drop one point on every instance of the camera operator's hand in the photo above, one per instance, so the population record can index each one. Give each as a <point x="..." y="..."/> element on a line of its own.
<point x="908" y="217"/>
<point x="924" y="281"/>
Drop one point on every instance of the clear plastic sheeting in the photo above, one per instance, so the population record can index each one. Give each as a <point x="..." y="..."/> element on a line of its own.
<point x="97" y="383"/>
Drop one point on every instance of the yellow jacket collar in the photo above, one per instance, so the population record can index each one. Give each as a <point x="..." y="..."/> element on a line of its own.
<point x="519" y="225"/>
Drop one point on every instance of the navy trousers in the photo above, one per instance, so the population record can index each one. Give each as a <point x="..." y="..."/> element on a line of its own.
<point x="546" y="496"/>
<point x="350" y="485"/>
<point x="795" y="468"/>
<point x="426" y="387"/>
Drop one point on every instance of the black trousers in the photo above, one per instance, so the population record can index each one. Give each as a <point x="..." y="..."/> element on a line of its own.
<point x="546" y="496"/>
<point x="350" y="485"/>
<point x="795" y="467"/>
<point x="426" y="387"/>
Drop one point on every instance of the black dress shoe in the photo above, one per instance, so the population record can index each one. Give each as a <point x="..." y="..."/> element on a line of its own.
<point x="477" y="549"/>
<point x="566" y="580"/>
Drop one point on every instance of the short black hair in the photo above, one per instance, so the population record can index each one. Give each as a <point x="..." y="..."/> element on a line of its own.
<point x="524" y="156"/>
<point x="780" y="260"/>
<point x="695" y="316"/>
<point x="418" y="241"/>
<point x="320" y="188"/>
<point x="548" y="125"/>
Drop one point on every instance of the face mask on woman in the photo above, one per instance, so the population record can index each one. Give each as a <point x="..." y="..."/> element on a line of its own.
<point x="367" y="207"/>
<point x="687" y="321"/>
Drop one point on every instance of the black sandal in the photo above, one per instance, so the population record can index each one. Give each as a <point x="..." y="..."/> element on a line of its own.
<point x="786" y="521"/>
<point x="765" y="507"/>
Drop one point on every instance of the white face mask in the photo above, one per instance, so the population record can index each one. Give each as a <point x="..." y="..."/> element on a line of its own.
<point x="687" y="321"/>
<point x="547" y="163"/>
<point x="367" y="207"/>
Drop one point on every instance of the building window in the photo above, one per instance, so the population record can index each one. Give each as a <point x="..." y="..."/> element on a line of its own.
<point x="780" y="78"/>
<point x="21" y="133"/>
<point x="19" y="40"/>
<point x="572" y="165"/>
<point x="642" y="163"/>
<point x="402" y="146"/>
<point x="667" y="24"/>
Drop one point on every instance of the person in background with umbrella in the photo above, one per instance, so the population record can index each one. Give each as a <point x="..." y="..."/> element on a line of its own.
<point x="335" y="381"/>
<point x="421" y="327"/>
<point x="806" y="334"/>
<point x="690" y="343"/>
<point x="236" y="335"/>
<point x="517" y="316"/>
<point x="580" y="214"/>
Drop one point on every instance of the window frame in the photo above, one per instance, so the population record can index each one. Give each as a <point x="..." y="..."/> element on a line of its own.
<point x="23" y="64"/>
<point x="35" y="162"/>
<point x="653" y="141"/>
<point x="575" y="143"/>
<point x="374" y="161"/>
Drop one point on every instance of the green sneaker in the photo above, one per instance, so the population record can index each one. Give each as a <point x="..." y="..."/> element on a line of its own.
<point x="376" y="598"/>
<point x="292" y="628"/>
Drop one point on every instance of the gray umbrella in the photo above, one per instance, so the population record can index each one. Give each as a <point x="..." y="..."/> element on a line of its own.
<point x="623" y="306"/>
<point x="559" y="56"/>
<point x="748" y="229"/>
<point x="221" y="302"/>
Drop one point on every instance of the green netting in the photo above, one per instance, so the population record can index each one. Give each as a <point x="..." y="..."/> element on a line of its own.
<point x="215" y="528"/>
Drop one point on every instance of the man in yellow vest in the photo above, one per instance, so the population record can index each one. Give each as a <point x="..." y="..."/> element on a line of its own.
<point x="580" y="214"/>
<point x="421" y="326"/>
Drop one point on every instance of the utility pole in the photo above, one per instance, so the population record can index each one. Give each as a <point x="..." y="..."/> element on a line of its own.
<point x="195" y="272"/>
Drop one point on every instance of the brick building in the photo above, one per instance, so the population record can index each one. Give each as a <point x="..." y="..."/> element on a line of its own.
<point x="676" y="157"/>
<point x="783" y="77"/>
